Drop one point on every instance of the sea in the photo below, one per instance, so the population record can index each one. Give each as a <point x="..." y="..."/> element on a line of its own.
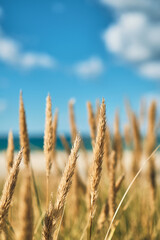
<point x="36" y="143"/>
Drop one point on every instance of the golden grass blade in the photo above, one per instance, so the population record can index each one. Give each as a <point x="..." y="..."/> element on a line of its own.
<point x="48" y="144"/>
<point x="97" y="166"/>
<point x="8" y="189"/>
<point x="65" y="144"/>
<point x="126" y="192"/>
<point x="119" y="182"/>
<point x="105" y="209"/>
<point x="137" y="151"/>
<point x="39" y="223"/>
<point x="98" y="157"/>
<point x="127" y="134"/>
<point x="23" y="133"/>
<point x="26" y="209"/>
<point x="107" y="147"/>
<point x="117" y="140"/>
<point x="10" y="231"/>
<point x="54" y="128"/>
<point x="10" y="151"/>
<point x="72" y="121"/>
<point x="112" y="190"/>
<point x="92" y="123"/>
<point x="36" y="192"/>
<point x="65" y="183"/>
<point x="74" y="190"/>
<point x="150" y="145"/>
<point x="48" y="136"/>
<point x="54" y="213"/>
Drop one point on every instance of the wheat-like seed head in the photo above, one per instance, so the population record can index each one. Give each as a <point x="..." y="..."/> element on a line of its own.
<point x="137" y="144"/>
<point x="92" y="123"/>
<point x="10" y="151"/>
<point x="48" y="136"/>
<point x="136" y="133"/>
<point x="24" y="140"/>
<point x="8" y="189"/>
<point x="127" y="134"/>
<point x="117" y="140"/>
<point x="72" y="120"/>
<point x="55" y="212"/>
<point x="97" y="158"/>
<point x="107" y="147"/>
<point x="73" y="128"/>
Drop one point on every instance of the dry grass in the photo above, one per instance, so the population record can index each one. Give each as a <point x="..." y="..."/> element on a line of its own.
<point x="8" y="190"/>
<point x="34" y="217"/>
<point x="26" y="208"/>
<point x="92" y="123"/>
<point x="48" y="144"/>
<point x="48" y="136"/>
<point x="23" y="133"/>
<point x="97" y="165"/>
<point x="55" y="213"/>
<point x="112" y="190"/>
<point x="10" y="152"/>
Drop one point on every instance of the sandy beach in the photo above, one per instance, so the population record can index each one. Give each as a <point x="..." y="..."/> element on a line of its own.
<point x="38" y="161"/>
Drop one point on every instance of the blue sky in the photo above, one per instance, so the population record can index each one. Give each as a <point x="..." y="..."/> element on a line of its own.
<point x="74" y="49"/>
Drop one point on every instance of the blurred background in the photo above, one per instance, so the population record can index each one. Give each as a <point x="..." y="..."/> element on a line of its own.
<point x="77" y="49"/>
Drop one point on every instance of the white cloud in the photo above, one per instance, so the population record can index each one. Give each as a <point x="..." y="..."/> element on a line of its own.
<point x="29" y="60"/>
<point x="12" y="53"/>
<point x="133" y="37"/>
<point x="149" y="6"/>
<point x="90" y="68"/>
<point x="151" y="69"/>
<point x="136" y="33"/>
<point x="3" y="105"/>
<point x="9" y="50"/>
